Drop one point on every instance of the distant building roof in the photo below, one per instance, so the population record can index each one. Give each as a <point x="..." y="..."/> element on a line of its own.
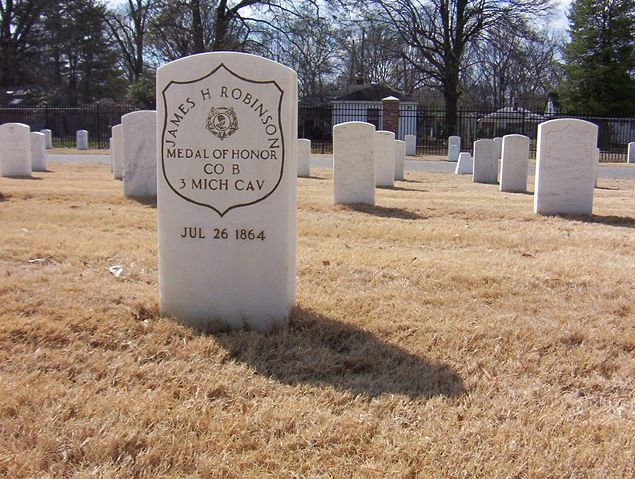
<point x="315" y="100"/>
<point x="372" y="93"/>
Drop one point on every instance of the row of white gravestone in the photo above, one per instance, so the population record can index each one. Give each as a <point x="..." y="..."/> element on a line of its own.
<point x="133" y="154"/>
<point x="21" y="151"/>
<point x="567" y="164"/>
<point x="363" y="159"/>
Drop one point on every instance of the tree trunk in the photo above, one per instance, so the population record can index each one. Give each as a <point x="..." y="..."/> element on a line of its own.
<point x="451" y="97"/>
<point x="221" y="27"/>
<point x="197" y="28"/>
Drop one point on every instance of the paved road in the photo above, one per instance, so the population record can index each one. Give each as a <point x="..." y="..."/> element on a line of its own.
<point x="625" y="172"/>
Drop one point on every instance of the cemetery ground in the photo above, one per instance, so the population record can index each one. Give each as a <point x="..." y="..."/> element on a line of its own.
<point x="446" y="332"/>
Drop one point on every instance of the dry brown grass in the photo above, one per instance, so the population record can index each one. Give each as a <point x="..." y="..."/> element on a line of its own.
<point x="445" y="333"/>
<point x="75" y="151"/>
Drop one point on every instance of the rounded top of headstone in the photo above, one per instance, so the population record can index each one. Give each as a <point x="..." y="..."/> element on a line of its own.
<point x="564" y="122"/>
<point x="140" y="116"/>
<point x="385" y="133"/>
<point x="21" y="126"/>
<point x="37" y="133"/>
<point x="354" y="124"/>
<point x="201" y="62"/>
<point x="390" y="98"/>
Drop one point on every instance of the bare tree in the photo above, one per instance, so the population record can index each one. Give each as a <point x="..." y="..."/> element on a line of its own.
<point x="129" y="28"/>
<point x="510" y="69"/>
<point x="439" y="32"/>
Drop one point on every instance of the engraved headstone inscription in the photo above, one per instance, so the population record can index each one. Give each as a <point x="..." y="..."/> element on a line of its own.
<point x="49" y="138"/>
<point x="400" y="159"/>
<point x="139" y="148"/>
<point x="304" y="157"/>
<point x="38" y="151"/>
<point x="116" y="152"/>
<point x="15" y="150"/>
<point x="464" y="165"/>
<point x="226" y="144"/>
<point x="82" y="139"/>
<point x="411" y="145"/>
<point x="353" y="163"/>
<point x="384" y="154"/>
<point x="485" y="162"/>
<point x="566" y="167"/>
<point x="454" y="148"/>
<point x="514" y="163"/>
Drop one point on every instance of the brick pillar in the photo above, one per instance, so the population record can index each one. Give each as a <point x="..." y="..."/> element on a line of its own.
<point x="391" y="115"/>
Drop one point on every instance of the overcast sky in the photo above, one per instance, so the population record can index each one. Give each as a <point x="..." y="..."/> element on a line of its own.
<point x="559" y="20"/>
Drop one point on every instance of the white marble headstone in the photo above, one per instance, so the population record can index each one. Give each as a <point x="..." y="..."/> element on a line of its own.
<point x="116" y="152"/>
<point x="227" y="140"/>
<point x="15" y="150"/>
<point x="304" y="157"/>
<point x="514" y="163"/>
<point x="630" y="154"/>
<point x="82" y="139"/>
<point x="485" y="162"/>
<point x="38" y="151"/>
<point x="499" y="147"/>
<point x="384" y="153"/>
<point x="454" y="148"/>
<point x="597" y="170"/>
<point x="400" y="159"/>
<point x="464" y="165"/>
<point x="48" y="138"/>
<point x="353" y="163"/>
<point x="411" y="145"/>
<point x="139" y="149"/>
<point x="566" y="167"/>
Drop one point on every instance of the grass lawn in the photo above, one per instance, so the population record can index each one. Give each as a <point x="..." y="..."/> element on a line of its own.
<point x="445" y="333"/>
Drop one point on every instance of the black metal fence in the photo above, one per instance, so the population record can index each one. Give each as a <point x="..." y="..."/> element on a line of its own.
<point x="316" y="124"/>
<point x="429" y="126"/>
<point x="64" y="121"/>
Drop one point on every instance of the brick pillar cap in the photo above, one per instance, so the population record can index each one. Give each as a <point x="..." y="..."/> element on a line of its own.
<point x="390" y="98"/>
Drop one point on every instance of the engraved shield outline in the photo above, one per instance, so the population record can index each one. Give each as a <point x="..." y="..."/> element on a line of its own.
<point x="550" y="169"/>
<point x="165" y="124"/>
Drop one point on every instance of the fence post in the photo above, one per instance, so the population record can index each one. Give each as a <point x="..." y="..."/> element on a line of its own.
<point x="98" y="127"/>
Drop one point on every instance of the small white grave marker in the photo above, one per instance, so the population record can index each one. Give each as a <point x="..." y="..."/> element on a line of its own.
<point x="139" y="149"/>
<point x="82" y="139"/>
<point x="630" y="155"/>
<point x="38" y="151"/>
<point x="464" y="165"/>
<point x="15" y="150"/>
<point x="400" y="159"/>
<point x="49" y="138"/>
<point x="498" y="141"/>
<point x="514" y="163"/>
<point x="485" y="164"/>
<point x="454" y="148"/>
<point x="384" y="153"/>
<point x="116" y="152"/>
<point x="353" y="163"/>
<point x="411" y="145"/>
<point x="566" y="167"/>
<point x="227" y="139"/>
<point x="304" y="157"/>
